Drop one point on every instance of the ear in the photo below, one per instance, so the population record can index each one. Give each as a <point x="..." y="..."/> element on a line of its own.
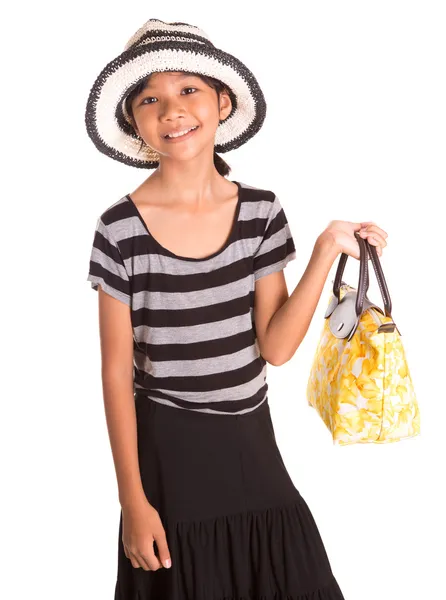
<point x="225" y="105"/>
<point x="133" y="124"/>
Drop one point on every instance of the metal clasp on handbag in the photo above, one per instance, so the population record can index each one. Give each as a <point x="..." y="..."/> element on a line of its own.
<point x="345" y="314"/>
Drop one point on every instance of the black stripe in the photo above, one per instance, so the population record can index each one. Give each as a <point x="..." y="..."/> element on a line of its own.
<point x="112" y="280"/>
<point x="101" y="243"/>
<point x="197" y="350"/>
<point x="274" y="256"/>
<point x="154" y="282"/>
<point x="203" y="383"/>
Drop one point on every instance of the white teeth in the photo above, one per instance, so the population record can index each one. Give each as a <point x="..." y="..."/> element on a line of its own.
<point x="172" y="135"/>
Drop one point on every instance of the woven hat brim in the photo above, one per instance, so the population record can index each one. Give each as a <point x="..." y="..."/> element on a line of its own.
<point x="105" y="119"/>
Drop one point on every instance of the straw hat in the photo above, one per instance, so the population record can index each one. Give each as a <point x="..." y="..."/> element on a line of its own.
<point x="156" y="47"/>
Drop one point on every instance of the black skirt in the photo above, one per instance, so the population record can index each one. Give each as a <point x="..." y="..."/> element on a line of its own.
<point x="236" y="526"/>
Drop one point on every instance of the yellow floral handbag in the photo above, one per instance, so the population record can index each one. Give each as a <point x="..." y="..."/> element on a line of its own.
<point x="360" y="383"/>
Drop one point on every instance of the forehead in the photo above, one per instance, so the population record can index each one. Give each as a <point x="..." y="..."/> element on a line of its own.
<point x="168" y="77"/>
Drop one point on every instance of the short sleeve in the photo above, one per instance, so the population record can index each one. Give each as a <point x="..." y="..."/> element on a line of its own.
<point x="277" y="248"/>
<point x="107" y="266"/>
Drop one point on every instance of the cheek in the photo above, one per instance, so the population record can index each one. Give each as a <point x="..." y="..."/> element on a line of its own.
<point x="148" y="126"/>
<point x="206" y="112"/>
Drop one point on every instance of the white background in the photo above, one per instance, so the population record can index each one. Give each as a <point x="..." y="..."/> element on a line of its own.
<point x="355" y="130"/>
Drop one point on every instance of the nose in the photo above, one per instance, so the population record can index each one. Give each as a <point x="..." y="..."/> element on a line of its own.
<point x="171" y="109"/>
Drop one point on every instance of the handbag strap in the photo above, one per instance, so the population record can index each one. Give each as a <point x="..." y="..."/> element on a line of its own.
<point x="365" y="250"/>
<point x="363" y="284"/>
<point x="381" y="279"/>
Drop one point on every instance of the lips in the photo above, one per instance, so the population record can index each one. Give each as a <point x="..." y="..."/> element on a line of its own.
<point x="186" y="131"/>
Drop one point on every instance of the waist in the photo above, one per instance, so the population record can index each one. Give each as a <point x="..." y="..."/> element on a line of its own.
<point x="228" y="409"/>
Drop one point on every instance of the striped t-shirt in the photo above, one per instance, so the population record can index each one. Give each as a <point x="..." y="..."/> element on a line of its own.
<point x="194" y="338"/>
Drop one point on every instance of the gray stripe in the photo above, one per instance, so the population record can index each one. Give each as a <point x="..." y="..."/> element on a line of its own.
<point x="108" y="263"/>
<point x="255" y="210"/>
<point x="209" y="410"/>
<point x="274" y="241"/>
<point x="127" y="228"/>
<point x="194" y="333"/>
<point x="275" y="267"/>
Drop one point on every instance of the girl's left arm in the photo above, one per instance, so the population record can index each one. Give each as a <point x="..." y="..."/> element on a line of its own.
<point x="281" y="321"/>
<point x="280" y="335"/>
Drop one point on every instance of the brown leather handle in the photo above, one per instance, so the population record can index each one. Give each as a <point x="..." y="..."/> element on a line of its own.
<point x="363" y="284"/>
<point x="381" y="279"/>
<point x="365" y="250"/>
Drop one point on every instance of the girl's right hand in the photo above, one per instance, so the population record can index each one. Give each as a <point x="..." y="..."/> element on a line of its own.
<point x="141" y="526"/>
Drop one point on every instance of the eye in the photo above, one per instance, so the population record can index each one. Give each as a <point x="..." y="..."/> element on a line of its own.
<point x="153" y="98"/>
<point x="148" y="98"/>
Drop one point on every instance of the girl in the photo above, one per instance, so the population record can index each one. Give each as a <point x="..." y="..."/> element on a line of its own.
<point x="193" y="304"/>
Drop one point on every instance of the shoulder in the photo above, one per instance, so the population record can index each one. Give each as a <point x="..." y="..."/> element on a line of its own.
<point x="119" y="221"/>
<point x="115" y="212"/>
<point x="257" y="194"/>
<point x="263" y="203"/>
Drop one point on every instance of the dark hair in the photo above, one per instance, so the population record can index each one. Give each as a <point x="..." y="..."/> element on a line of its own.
<point x="222" y="167"/>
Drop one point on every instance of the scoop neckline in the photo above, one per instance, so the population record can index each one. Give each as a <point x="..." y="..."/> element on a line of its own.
<point x="229" y="240"/>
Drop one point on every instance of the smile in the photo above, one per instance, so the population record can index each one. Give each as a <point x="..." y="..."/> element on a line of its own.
<point x="181" y="134"/>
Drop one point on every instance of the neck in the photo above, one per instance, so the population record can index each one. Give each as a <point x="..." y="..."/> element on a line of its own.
<point x="188" y="180"/>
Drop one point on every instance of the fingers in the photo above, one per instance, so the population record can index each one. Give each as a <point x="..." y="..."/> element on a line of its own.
<point x="132" y="557"/>
<point x="149" y="561"/>
<point x="133" y="560"/>
<point x="372" y="226"/>
<point x="374" y="238"/>
<point x="146" y="544"/>
<point x="164" y="554"/>
<point x="374" y="235"/>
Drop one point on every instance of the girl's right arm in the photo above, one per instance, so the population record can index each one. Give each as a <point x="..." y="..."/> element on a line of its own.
<point x="141" y="522"/>
<point x="117" y="383"/>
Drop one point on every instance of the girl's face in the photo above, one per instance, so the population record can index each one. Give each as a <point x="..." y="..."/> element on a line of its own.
<point x="175" y="102"/>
